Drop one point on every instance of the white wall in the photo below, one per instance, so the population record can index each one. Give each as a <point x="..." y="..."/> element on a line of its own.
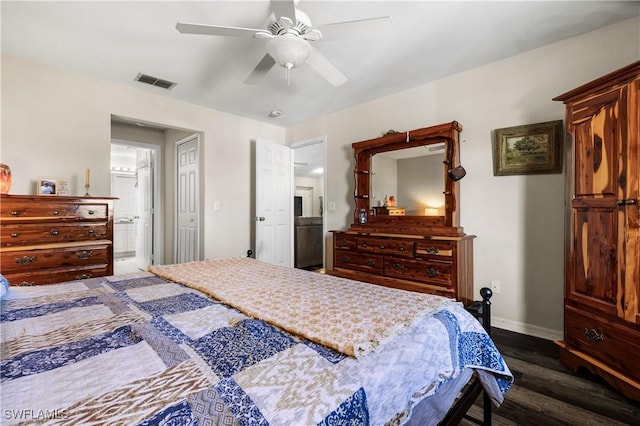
<point x="57" y="123"/>
<point x="518" y="220"/>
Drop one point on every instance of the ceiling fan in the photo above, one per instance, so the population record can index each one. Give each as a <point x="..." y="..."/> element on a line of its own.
<point x="289" y="33"/>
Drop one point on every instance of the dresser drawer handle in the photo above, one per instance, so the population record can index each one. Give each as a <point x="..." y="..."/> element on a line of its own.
<point x="432" y="250"/>
<point x="91" y="232"/>
<point x="56" y="212"/>
<point x="431" y="272"/>
<point x="83" y="276"/>
<point x="84" y="254"/>
<point x="91" y="212"/>
<point x="14" y="234"/>
<point x="26" y="284"/>
<point x="14" y="213"/>
<point x="54" y="231"/>
<point x="398" y="267"/>
<point x="593" y="335"/>
<point x="346" y="259"/>
<point x="25" y="260"/>
<point x="364" y="244"/>
<point x="381" y="247"/>
<point x="344" y="242"/>
<point x="371" y="263"/>
<point x="401" y="249"/>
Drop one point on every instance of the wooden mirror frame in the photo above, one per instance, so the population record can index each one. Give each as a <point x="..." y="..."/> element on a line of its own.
<point x="441" y="225"/>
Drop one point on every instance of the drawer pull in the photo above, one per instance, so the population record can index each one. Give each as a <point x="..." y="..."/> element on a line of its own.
<point x="91" y="212"/>
<point x="344" y="242"/>
<point x="431" y="272"/>
<point x="593" y="335"/>
<point x="371" y="263"/>
<point x="14" y="213"/>
<point x="432" y="250"/>
<point x="364" y="244"/>
<point x="84" y="254"/>
<point x="91" y="232"/>
<point x="398" y="267"/>
<point x="56" y="212"/>
<point x="401" y="249"/>
<point x="381" y="247"/>
<point x="83" y="276"/>
<point x="25" y="260"/>
<point x="14" y="234"/>
<point x="25" y="284"/>
<point x="54" y="231"/>
<point x="346" y="259"/>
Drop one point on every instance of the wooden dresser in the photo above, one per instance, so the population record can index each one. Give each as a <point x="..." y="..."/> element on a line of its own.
<point x="46" y="240"/>
<point x="602" y="272"/>
<point x="416" y="252"/>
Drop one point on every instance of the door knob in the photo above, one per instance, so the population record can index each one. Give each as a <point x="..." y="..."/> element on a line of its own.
<point x="261" y="219"/>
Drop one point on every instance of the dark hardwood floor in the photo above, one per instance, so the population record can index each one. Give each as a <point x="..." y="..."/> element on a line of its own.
<point x="546" y="393"/>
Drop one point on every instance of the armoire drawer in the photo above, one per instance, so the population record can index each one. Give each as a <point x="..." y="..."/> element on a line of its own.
<point x="616" y="345"/>
<point x="358" y="261"/>
<point x="14" y="261"/>
<point x="386" y="246"/>
<point x="55" y="210"/>
<point x="27" y="233"/>
<point x="436" y="273"/>
<point x="54" y="276"/>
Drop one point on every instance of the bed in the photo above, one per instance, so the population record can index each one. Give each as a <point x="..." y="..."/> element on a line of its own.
<point x="238" y="342"/>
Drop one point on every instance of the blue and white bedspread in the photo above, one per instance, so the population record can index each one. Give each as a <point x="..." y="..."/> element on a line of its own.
<point x="139" y="349"/>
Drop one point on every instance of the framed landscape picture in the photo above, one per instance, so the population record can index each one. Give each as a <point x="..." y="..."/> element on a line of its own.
<point x="528" y="149"/>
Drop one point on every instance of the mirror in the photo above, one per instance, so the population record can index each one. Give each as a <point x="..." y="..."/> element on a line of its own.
<point x="413" y="177"/>
<point x="420" y="169"/>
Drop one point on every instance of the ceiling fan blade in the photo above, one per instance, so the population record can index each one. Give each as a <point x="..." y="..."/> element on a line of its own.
<point x="326" y="69"/>
<point x="261" y="70"/>
<point x="284" y="8"/>
<point x="360" y="29"/>
<point x="187" y="28"/>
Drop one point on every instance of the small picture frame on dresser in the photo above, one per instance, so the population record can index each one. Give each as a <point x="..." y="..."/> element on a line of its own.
<point x="46" y="186"/>
<point x="62" y="187"/>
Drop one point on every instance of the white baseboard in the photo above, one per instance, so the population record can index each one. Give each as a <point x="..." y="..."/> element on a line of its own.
<point x="531" y="330"/>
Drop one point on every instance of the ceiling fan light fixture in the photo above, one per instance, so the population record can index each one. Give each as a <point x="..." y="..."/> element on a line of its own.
<point x="288" y="50"/>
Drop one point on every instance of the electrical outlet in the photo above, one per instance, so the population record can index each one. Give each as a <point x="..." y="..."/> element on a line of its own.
<point x="495" y="286"/>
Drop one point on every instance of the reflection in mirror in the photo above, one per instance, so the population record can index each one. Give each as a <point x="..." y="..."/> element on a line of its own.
<point x="414" y="177"/>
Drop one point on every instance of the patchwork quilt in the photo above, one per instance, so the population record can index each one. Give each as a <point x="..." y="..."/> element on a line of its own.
<point x="140" y="349"/>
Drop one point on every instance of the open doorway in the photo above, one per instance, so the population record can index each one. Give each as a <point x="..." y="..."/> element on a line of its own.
<point x="309" y="219"/>
<point x="133" y="183"/>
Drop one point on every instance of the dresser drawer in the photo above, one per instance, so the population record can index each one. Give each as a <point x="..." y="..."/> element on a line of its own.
<point x="436" y="273"/>
<point x="358" y="261"/>
<point x="55" y="210"/>
<point x="14" y="261"/>
<point x="57" y="275"/>
<point x="616" y="345"/>
<point x="386" y="246"/>
<point x="434" y="249"/>
<point x="24" y="234"/>
<point x="344" y="241"/>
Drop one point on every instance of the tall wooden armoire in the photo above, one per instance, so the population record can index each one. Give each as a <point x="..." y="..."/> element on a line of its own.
<point x="602" y="270"/>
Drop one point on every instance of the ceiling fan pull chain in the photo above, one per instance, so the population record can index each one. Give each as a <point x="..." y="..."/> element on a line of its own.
<point x="288" y="72"/>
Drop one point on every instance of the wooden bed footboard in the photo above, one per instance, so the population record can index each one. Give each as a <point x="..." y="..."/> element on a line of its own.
<point x="469" y="394"/>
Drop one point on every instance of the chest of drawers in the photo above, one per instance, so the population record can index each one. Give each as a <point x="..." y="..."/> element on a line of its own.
<point x="438" y="265"/>
<point x="46" y="240"/>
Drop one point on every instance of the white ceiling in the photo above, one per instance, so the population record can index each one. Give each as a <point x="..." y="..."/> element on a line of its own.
<point x="117" y="40"/>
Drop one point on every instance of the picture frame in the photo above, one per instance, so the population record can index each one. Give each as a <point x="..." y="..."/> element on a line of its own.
<point x="528" y="149"/>
<point x="46" y="186"/>
<point x="62" y="187"/>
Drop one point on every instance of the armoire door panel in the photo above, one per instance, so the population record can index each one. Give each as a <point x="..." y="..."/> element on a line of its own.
<point x="595" y="265"/>
<point x="598" y="144"/>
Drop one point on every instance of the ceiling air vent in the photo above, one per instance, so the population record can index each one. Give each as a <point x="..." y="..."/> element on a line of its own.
<point x="154" y="81"/>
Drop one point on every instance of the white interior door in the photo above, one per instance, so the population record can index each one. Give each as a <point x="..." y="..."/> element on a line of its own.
<point x="274" y="203"/>
<point x="187" y="204"/>
<point x="144" y="208"/>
